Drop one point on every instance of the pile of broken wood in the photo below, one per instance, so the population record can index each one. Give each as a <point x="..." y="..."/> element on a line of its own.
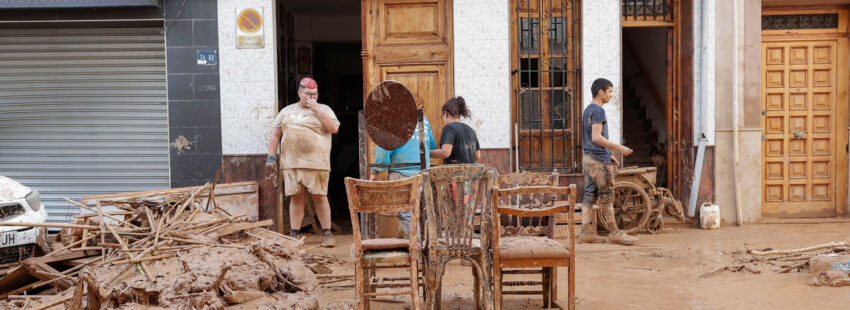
<point x="171" y="251"/>
<point x="780" y="261"/>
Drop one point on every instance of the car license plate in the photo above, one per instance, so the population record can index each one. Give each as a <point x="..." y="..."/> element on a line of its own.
<point x="13" y="238"/>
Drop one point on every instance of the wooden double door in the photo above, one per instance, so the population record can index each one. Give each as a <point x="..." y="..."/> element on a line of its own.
<point x="804" y="106"/>
<point x="410" y="41"/>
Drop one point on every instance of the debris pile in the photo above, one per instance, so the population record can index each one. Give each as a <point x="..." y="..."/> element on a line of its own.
<point x="820" y="260"/>
<point x="172" y="251"/>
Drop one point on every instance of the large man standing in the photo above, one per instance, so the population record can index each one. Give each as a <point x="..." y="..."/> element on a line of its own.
<point x="598" y="167"/>
<point x="303" y="132"/>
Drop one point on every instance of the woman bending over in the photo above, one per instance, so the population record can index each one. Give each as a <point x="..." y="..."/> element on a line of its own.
<point x="458" y="142"/>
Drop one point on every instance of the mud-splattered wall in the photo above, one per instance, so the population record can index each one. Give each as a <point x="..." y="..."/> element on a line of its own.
<point x="194" y="119"/>
<point x="248" y="81"/>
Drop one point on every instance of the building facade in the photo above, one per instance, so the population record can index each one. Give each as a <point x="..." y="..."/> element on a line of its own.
<point x="116" y="96"/>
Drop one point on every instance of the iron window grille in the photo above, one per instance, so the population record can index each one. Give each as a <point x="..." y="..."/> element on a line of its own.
<point x="799" y="21"/>
<point x="545" y="78"/>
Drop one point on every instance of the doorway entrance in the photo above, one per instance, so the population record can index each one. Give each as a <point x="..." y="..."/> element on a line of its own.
<point x="652" y="71"/>
<point x="348" y="46"/>
<point x="645" y="73"/>
<point x="321" y="39"/>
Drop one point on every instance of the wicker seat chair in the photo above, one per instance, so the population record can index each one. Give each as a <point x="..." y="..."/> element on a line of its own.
<point x="524" y="238"/>
<point x="453" y="196"/>
<point x="370" y="197"/>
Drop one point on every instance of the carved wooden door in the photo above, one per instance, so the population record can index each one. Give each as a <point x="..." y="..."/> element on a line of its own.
<point x="410" y="41"/>
<point x="801" y="123"/>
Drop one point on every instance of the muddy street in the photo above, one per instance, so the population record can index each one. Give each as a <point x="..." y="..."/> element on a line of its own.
<point x="661" y="272"/>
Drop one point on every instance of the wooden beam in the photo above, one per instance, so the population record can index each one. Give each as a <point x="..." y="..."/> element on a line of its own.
<point x="646" y="23"/>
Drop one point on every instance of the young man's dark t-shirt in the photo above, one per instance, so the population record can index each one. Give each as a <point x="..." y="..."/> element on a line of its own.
<point x="594" y="114"/>
<point x="464" y="143"/>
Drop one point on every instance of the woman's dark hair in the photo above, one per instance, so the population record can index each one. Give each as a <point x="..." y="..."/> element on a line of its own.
<point x="456" y="107"/>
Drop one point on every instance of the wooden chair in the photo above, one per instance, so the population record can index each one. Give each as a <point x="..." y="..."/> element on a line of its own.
<point x="453" y="195"/>
<point x="370" y="197"/>
<point x="524" y="179"/>
<point x="527" y="241"/>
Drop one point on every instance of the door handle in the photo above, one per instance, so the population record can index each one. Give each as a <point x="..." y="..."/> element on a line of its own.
<point x="799" y="135"/>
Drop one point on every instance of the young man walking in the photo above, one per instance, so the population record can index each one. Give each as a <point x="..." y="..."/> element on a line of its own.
<point x="598" y="163"/>
<point x="303" y="132"/>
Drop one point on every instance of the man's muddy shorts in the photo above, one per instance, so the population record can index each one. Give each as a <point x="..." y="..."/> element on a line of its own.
<point x="599" y="178"/>
<point x="314" y="180"/>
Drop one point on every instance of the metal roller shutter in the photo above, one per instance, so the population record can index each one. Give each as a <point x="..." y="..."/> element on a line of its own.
<point x="83" y="112"/>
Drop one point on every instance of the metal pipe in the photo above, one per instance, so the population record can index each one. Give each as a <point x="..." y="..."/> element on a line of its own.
<point x="735" y="104"/>
<point x="692" y="202"/>
<point x="703" y="111"/>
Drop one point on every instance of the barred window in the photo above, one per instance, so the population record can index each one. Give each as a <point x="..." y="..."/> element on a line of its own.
<point x="545" y="78"/>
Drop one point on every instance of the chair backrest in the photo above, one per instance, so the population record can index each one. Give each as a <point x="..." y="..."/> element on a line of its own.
<point x="369" y="197"/>
<point x="453" y="196"/>
<point x="541" y="225"/>
<point x="565" y="200"/>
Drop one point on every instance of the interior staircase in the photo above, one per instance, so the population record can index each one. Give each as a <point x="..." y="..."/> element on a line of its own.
<point x="637" y="129"/>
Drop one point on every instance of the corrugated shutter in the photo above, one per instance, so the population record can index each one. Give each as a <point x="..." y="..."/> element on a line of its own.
<point x="83" y="112"/>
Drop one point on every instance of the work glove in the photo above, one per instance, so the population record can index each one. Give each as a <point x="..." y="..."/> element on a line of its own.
<point x="270" y="161"/>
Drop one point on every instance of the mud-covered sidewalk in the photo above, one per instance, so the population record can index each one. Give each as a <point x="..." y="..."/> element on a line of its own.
<point x="662" y="272"/>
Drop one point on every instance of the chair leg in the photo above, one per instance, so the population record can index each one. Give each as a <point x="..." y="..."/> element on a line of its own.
<point x="359" y="290"/>
<point x="414" y="284"/>
<point x="430" y="283"/>
<point x="571" y="289"/>
<point x="497" y="287"/>
<point x="477" y="289"/>
<point x="547" y="287"/>
<point x="554" y="289"/>
<point x="437" y="298"/>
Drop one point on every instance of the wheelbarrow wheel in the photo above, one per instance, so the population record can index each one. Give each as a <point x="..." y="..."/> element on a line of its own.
<point x="632" y="207"/>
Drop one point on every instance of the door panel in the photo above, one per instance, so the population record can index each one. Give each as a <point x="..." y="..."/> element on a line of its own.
<point x="799" y="144"/>
<point x="410" y="41"/>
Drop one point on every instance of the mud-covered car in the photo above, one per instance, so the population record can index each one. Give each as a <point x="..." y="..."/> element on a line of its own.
<point x="20" y="204"/>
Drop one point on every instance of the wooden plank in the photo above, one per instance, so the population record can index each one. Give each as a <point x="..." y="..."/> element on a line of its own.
<point x="236" y="198"/>
<point x="44" y="272"/>
<point x="243" y="226"/>
<point x="647" y="23"/>
<point x="16" y="278"/>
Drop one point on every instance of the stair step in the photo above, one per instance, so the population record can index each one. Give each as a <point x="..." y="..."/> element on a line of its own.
<point x="636" y="135"/>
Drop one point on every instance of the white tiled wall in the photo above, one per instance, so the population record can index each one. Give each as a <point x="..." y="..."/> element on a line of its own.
<point x="600" y="52"/>
<point x="248" y="81"/>
<point x="482" y="59"/>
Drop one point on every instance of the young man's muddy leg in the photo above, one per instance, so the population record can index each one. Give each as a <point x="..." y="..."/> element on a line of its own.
<point x="605" y="181"/>
<point x="588" y="213"/>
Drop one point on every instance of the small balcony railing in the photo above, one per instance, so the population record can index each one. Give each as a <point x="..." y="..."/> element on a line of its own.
<point x="648" y="10"/>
